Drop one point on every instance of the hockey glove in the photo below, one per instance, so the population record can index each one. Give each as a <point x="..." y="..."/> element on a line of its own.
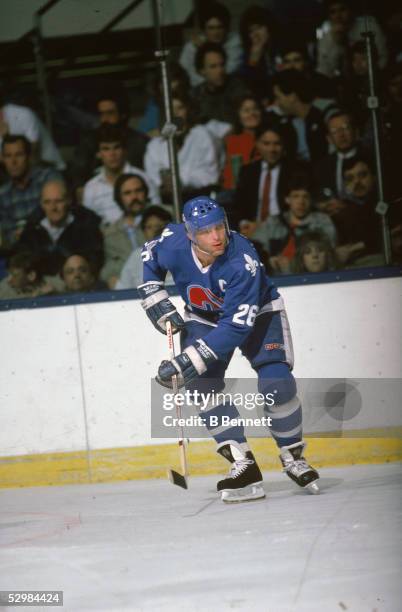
<point x="192" y="362"/>
<point x="156" y="303"/>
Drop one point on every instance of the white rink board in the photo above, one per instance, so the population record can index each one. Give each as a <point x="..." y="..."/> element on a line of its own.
<point x="41" y="403"/>
<point x="80" y="375"/>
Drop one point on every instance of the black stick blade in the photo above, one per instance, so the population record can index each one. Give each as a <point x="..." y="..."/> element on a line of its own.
<point x="177" y="479"/>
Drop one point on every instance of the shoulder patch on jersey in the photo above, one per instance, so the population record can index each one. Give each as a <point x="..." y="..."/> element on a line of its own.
<point x="146" y="253"/>
<point x="251" y="264"/>
<point x="165" y="234"/>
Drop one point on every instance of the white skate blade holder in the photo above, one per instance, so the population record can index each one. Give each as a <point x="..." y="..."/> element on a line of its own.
<point x="313" y="488"/>
<point x="250" y="493"/>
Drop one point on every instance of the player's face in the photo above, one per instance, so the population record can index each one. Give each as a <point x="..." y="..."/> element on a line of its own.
<point x="77" y="274"/>
<point x="212" y="240"/>
<point x="293" y="60"/>
<point x="214" y="30"/>
<point x="359" y="181"/>
<point x="314" y="258"/>
<point x="214" y="69"/>
<point x="299" y="202"/>
<point x="55" y="203"/>
<point x="108" y="112"/>
<point x="249" y="115"/>
<point x="15" y="159"/>
<point x="270" y="147"/>
<point x="341" y="133"/>
<point x="112" y="155"/>
<point x="133" y="195"/>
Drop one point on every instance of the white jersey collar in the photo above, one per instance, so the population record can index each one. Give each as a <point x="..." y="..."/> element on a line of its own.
<point x="198" y="263"/>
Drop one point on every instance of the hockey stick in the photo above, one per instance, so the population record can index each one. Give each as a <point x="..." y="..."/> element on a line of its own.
<point x="175" y="477"/>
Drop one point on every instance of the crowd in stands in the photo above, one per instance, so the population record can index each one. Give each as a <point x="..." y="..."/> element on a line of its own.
<point x="274" y="124"/>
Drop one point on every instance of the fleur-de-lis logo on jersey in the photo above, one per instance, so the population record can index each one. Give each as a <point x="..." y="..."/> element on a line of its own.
<point x="251" y="265"/>
<point x="165" y="234"/>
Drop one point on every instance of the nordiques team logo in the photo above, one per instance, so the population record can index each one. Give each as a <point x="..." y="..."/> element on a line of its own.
<point x="203" y="298"/>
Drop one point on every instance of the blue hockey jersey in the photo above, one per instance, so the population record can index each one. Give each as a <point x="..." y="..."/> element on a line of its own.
<point x="229" y="293"/>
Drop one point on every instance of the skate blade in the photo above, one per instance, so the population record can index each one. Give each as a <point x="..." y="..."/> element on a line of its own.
<point x="177" y="479"/>
<point x="313" y="488"/>
<point x="249" y="493"/>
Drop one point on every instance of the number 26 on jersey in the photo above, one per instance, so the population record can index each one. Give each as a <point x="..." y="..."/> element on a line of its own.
<point x="245" y="314"/>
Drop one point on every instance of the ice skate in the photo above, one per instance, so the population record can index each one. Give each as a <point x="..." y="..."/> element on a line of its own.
<point x="297" y="468"/>
<point x="244" y="482"/>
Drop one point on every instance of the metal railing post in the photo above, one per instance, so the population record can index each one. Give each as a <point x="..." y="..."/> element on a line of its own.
<point x="41" y="69"/>
<point x="373" y="105"/>
<point x="169" y="129"/>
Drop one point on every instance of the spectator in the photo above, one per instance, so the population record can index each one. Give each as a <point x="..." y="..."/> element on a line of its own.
<point x="61" y="230"/>
<point x="125" y="235"/>
<point x="294" y="56"/>
<point x="343" y="29"/>
<point x="360" y="181"/>
<point x="214" y="19"/>
<point x="151" y="121"/>
<point x="391" y="124"/>
<point x="303" y="121"/>
<point x="257" y="28"/>
<point x="98" y="192"/>
<point x="216" y="93"/>
<point x="314" y="254"/>
<point x="20" y="196"/>
<point x="25" y="279"/>
<point x="111" y="111"/>
<point x="261" y="188"/>
<point x="240" y="146"/>
<point x="16" y="119"/>
<point x="153" y="222"/>
<point x="280" y="234"/>
<point x="391" y="17"/>
<point x="342" y="135"/>
<point x="357" y="223"/>
<point x="80" y="275"/>
<point x="353" y="87"/>
<point x="197" y="155"/>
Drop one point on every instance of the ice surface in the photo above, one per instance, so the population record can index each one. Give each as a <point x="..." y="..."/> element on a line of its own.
<point x="155" y="547"/>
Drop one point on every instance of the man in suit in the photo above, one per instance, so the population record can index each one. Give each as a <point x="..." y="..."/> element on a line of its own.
<point x="262" y="184"/>
<point x="328" y="173"/>
<point x="303" y="122"/>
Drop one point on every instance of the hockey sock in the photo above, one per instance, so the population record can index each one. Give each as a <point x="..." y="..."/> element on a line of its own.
<point x="217" y="421"/>
<point x="276" y="381"/>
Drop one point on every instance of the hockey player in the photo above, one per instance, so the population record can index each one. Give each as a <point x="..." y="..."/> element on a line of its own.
<point x="229" y="303"/>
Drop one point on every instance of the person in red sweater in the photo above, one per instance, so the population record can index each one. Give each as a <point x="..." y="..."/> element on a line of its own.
<point x="240" y="146"/>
